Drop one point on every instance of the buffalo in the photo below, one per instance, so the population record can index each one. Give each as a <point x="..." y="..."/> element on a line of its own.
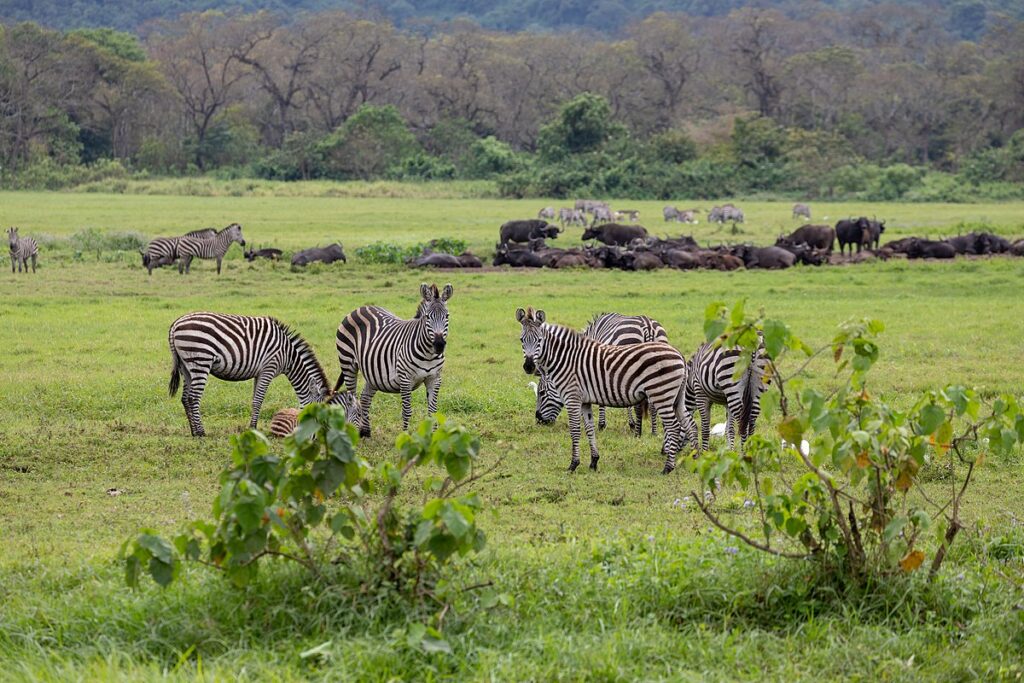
<point x="272" y="254"/>
<point x="876" y="229"/>
<point x="524" y="231"/>
<point x="615" y="233"/>
<point x="817" y="236"/>
<point x="854" y="232"/>
<point x="771" y="258"/>
<point x="324" y="254"/>
<point x="517" y="258"/>
<point x="930" y="249"/>
<point x="978" y="243"/>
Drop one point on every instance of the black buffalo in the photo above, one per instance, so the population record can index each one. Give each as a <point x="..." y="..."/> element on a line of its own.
<point x="615" y="233"/>
<point x="804" y="253"/>
<point x="930" y="249"/>
<point x="524" y="231"/>
<point x="876" y="228"/>
<point x="817" y="236"/>
<point x="854" y="231"/>
<point x="324" y="254"/>
<point x="517" y="258"/>
<point x="979" y="243"/>
<point x="771" y="258"/>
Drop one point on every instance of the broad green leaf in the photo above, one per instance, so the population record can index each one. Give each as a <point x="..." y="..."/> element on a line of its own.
<point x="158" y="547"/>
<point x="930" y="418"/>
<point x="893" y="528"/>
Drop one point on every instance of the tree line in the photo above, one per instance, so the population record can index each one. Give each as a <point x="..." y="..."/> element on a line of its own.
<point x="758" y="98"/>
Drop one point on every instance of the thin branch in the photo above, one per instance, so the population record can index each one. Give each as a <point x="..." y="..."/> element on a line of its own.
<point x="743" y="537"/>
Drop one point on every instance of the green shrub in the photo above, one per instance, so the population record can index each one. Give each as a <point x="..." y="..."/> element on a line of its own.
<point x="489" y="157"/>
<point x="370" y="142"/>
<point x="422" y="167"/>
<point x="389" y="252"/>
<point x="894" y="182"/>
<point x="856" y="506"/>
<point x="321" y="503"/>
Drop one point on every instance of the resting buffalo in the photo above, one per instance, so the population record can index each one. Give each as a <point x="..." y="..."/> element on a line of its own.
<point x="641" y="260"/>
<point x="817" y="236"/>
<point x="517" y="258"/>
<point x="272" y="254"/>
<point x="854" y="231"/>
<point x="901" y="245"/>
<point x="804" y="253"/>
<point x="930" y="249"/>
<point x="680" y="258"/>
<point x="772" y="258"/>
<point x="1017" y="248"/>
<point x="615" y="233"/>
<point x="979" y="243"/>
<point x="524" y="231"/>
<point x="326" y="254"/>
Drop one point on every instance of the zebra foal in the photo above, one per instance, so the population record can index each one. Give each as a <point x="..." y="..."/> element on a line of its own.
<point x="208" y="248"/>
<point x="584" y="372"/>
<point x="713" y="381"/>
<point x="22" y="249"/>
<point x="395" y="355"/>
<point x="237" y="348"/>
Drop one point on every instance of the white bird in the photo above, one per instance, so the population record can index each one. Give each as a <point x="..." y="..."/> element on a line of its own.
<point x="718" y="429"/>
<point x="532" y="385"/>
<point x="805" y="447"/>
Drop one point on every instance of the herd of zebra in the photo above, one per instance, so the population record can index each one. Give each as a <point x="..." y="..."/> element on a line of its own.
<point x="617" y="361"/>
<point x="207" y="243"/>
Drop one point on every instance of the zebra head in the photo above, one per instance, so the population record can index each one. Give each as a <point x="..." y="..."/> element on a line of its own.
<point x="12" y="237"/>
<point x="234" y="233"/>
<point x="433" y="309"/>
<point x="532" y="337"/>
<point x="549" y="401"/>
<point x="348" y="401"/>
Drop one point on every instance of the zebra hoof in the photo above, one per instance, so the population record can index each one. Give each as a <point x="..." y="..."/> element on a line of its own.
<point x="573" y="466"/>
<point x="667" y="470"/>
<point x="593" y="465"/>
<point x="364" y="433"/>
<point x="601" y="426"/>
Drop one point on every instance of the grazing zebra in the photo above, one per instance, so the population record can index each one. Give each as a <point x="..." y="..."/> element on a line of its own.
<point x="163" y="251"/>
<point x="237" y="348"/>
<point x="22" y="249"/>
<point x="801" y="210"/>
<point x="209" y="247"/>
<point x="395" y="355"/>
<point x="584" y="372"/>
<point x="712" y="381"/>
<point x="619" y="330"/>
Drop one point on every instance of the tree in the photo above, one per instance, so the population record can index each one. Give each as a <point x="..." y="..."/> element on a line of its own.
<point x="371" y="141"/>
<point x="583" y="124"/>
<point x="670" y="55"/>
<point x="757" y="45"/>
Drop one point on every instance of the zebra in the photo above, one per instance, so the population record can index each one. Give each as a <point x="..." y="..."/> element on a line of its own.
<point x="395" y="355"/>
<point x="547" y="212"/>
<point x="163" y="251"/>
<point x="801" y="210"/>
<point x="583" y="372"/>
<point x="712" y="380"/>
<point x="237" y="348"/>
<point x="22" y="249"/>
<point x="208" y="248"/>
<point x="619" y="330"/>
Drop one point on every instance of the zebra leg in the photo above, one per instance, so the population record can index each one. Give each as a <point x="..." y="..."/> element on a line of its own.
<point x="730" y="427"/>
<point x="574" y="410"/>
<point x="588" y="422"/>
<point x="218" y="264"/>
<point x="192" y="394"/>
<point x="12" y="262"/>
<point x="33" y="263"/>
<point x="433" y="384"/>
<point x="259" y="392"/>
<point x="364" y="406"/>
<point x="654" y="421"/>
<point x="602" y="422"/>
<point x="704" y="406"/>
<point x="406" y="407"/>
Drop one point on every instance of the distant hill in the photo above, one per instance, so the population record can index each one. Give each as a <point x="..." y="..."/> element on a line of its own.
<point x="968" y="18"/>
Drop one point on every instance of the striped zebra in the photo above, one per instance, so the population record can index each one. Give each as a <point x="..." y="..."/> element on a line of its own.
<point x="163" y="251"/>
<point x="237" y="348"/>
<point x="22" y="249"/>
<point x="395" y="355"/>
<point x="209" y="247"/>
<point x="713" y="381"/>
<point x="584" y="372"/>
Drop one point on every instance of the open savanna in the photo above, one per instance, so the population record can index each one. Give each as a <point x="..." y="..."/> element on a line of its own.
<point x="613" y="575"/>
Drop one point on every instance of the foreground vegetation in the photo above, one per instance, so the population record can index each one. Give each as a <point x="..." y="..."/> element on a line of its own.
<point x="614" y="575"/>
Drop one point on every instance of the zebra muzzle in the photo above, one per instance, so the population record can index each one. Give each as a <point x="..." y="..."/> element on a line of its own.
<point x="439" y="344"/>
<point x="529" y="366"/>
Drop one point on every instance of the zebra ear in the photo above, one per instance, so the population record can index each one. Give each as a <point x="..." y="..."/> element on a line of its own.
<point x="425" y="291"/>
<point x="520" y="314"/>
<point x="446" y="293"/>
<point x="539" y="316"/>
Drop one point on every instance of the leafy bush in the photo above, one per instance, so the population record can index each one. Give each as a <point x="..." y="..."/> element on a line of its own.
<point x="95" y="241"/>
<point x="49" y="174"/>
<point x="857" y="506"/>
<point x="489" y="157"/>
<point x="422" y="167"/>
<point x="389" y="252"/>
<point x="370" y="142"/>
<point x="313" y="506"/>
<point x="894" y="182"/>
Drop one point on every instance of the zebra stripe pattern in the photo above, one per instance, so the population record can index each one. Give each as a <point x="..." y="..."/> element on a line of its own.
<point x="713" y="381"/>
<point x="395" y="355"/>
<point x="208" y="248"/>
<point x="620" y="330"/>
<point x="163" y="251"/>
<point x="22" y="249"/>
<point x="585" y="372"/>
<point x="237" y="348"/>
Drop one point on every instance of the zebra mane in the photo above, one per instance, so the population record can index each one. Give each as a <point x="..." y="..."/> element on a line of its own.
<point x="304" y="349"/>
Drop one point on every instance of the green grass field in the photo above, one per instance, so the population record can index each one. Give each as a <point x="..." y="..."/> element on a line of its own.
<point x="612" y="578"/>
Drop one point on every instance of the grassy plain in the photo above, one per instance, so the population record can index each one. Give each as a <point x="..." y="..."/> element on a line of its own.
<point x="613" y="578"/>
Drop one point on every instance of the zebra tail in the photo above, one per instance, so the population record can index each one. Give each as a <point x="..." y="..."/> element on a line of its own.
<point x="172" y="388"/>
<point x="340" y="383"/>
<point x="749" y="382"/>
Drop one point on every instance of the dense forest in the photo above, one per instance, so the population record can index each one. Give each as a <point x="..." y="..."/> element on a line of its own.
<point x="967" y="19"/>
<point x="812" y="99"/>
